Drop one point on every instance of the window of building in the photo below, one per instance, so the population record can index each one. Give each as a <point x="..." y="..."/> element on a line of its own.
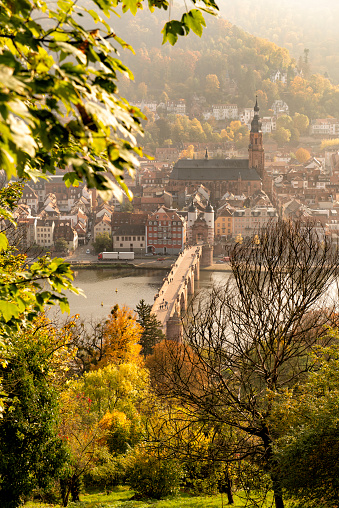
<point x="117" y="238"/>
<point x="121" y="245"/>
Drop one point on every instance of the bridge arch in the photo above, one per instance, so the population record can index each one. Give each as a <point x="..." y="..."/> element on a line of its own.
<point x="183" y="303"/>
<point x="190" y="284"/>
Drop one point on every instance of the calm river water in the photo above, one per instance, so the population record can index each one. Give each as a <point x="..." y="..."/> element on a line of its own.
<point x="106" y="287"/>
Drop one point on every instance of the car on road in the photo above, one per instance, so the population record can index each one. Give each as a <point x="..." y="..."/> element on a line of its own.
<point x="88" y="251"/>
<point x="161" y="259"/>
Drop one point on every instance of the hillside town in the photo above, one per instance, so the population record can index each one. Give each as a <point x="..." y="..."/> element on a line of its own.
<point x="201" y="199"/>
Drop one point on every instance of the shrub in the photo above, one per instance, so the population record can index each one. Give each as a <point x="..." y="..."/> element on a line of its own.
<point x="153" y="477"/>
<point x="106" y="474"/>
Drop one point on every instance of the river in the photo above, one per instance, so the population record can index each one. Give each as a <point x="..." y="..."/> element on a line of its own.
<point x="106" y="287"/>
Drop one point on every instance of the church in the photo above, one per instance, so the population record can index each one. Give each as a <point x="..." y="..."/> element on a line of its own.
<point x="237" y="176"/>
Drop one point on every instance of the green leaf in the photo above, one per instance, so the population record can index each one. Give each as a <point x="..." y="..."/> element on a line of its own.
<point x="131" y="5"/>
<point x="71" y="179"/>
<point x="194" y="20"/>
<point x="7" y="80"/>
<point x="69" y="49"/>
<point x="64" y="306"/>
<point x="3" y="242"/>
<point x="8" y="310"/>
<point x="105" y="5"/>
<point x="171" y="31"/>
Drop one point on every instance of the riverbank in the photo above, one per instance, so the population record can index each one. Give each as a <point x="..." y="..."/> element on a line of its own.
<point x="145" y="264"/>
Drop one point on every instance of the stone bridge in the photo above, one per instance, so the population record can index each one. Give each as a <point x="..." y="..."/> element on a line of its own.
<point x="170" y="303"/>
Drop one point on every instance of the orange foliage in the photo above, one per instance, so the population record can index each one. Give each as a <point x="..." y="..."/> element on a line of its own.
<point x="122" y="335"/>
<point x="302" y="155"/>
<point x="175" y="365"/>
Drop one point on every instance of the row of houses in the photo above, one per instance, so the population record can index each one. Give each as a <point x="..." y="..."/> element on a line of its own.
<point x="167" y="230"/>
<point x="218" y="112"/>
<point x="244" y="115"/>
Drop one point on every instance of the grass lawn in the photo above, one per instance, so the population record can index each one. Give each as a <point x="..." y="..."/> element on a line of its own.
<point x="120" y="499"/>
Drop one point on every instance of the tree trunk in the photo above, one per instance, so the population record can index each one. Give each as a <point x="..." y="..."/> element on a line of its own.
<point x="225" y="486"/>
<point x="278" y="497"/>
<point x="65" y="491"/>
<point x="75" y="488"/>
<point x="229" y="487"/>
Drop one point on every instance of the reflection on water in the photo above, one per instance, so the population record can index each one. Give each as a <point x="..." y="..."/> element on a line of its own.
<point x="106" y="287"/>
<point x="207" y="279"/>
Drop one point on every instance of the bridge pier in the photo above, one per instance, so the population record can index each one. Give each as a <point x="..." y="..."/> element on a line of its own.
<point x="197" y="270"/>
<point x="207" y="255"/>
<point x="174" y="328"/>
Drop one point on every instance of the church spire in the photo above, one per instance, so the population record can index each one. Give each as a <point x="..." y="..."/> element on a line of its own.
<point x="256" y="124"/>
<point x="256" y="107"/>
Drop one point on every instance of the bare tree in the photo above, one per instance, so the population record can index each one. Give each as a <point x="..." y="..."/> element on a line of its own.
<point x="250" y="340"/>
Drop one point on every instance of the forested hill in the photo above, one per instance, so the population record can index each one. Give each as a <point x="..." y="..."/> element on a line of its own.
<point x="294" y="24"/>
<point x="227" y="52"/>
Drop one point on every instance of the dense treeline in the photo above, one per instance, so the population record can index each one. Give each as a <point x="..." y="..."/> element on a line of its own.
<point x="229" y="53"/>
<point x="295" y="25"/>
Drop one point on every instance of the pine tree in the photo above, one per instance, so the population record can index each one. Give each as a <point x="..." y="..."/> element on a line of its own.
<point x="152" y="333"/>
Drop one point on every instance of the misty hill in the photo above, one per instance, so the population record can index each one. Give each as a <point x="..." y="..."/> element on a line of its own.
<point x="242" y="64"/>
<point x="293" y="24"/>
<point x="223" y="50"/>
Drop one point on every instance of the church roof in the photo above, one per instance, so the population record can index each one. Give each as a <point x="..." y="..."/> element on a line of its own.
<point x="213" y="169"/>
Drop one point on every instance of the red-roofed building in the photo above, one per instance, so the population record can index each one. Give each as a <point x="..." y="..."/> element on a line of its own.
<point x="165" y="232"/>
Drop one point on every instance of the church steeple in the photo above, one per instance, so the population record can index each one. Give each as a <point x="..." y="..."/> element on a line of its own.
<point x="256" y="124"/>
<point x="256" y="150"/>
<point x="256" y="107"/>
